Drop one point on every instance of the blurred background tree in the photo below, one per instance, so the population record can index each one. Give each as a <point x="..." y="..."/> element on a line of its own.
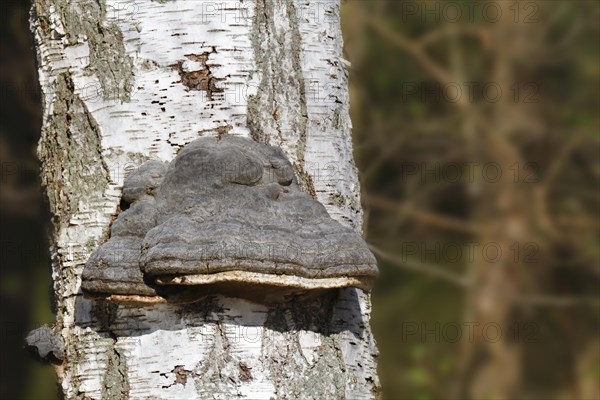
<point x="476" y="135"/>
<point x="476" y="128"/>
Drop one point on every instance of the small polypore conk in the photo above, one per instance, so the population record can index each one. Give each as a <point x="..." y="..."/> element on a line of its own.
<point x="225" y="216"/>
<point x="46" y="344"/>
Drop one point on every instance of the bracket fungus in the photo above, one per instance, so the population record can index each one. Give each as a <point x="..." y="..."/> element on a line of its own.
<point x="46" y="345"/>
<point x="225" y="216"/>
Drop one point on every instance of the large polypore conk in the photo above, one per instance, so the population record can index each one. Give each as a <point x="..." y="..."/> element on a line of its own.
<point x="227" y="216"/>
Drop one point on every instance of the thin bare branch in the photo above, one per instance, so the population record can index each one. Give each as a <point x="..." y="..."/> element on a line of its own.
<point x="522" y="299"/>
<point x="555" y="301"/>
<point x="437" y="220"/>
<point x="410" y="47"/>
<point x="481" y="33"/>
<point x="428" y="269"/>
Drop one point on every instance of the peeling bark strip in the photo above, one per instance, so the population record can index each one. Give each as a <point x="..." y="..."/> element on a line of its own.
<point x="127" y="81"/>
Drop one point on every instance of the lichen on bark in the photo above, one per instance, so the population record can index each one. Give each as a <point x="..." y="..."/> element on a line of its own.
<point x="277" y="113"/>
<point x="295" y="375"/>
<point x="81" y="21"/>
<point x="70" y="152"/>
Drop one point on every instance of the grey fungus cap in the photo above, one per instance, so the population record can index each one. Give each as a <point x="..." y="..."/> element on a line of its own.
<point x="114" y="268"/>
<point x="226" y="216"/>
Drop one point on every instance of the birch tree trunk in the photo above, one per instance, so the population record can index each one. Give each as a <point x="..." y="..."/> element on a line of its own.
<point x="125" y="81"/>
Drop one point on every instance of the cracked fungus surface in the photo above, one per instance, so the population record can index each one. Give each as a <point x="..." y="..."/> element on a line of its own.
<point x="225" y="213"/>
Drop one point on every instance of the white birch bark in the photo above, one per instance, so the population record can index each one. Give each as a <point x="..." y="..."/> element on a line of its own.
<point x="125" y="81"/>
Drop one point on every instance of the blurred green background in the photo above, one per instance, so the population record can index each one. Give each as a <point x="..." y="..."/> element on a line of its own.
<point x="476" y="132"/>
